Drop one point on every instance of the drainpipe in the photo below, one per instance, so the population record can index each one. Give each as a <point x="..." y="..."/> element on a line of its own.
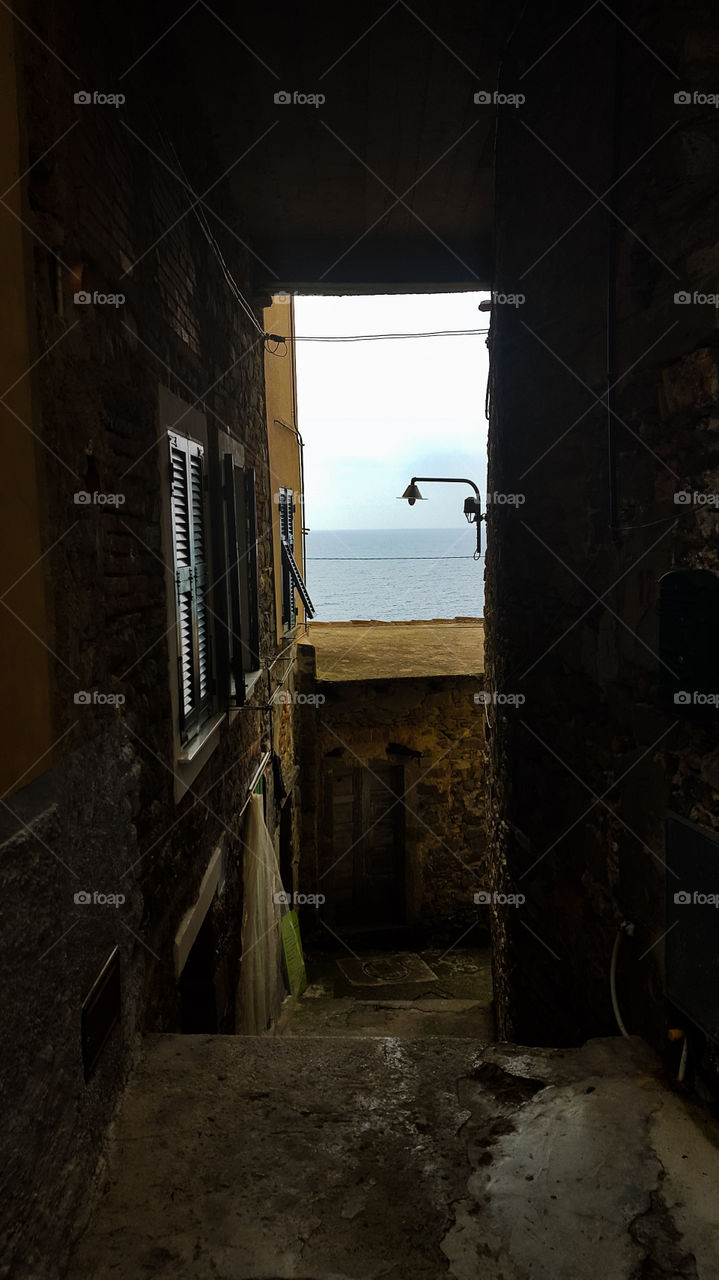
<point x="611" y="314"/>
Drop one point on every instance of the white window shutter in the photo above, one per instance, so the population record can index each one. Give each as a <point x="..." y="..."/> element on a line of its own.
<point x="190" y="571"/>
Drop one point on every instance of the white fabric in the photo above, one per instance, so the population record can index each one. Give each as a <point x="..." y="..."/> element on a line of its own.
<point x="261" y="986"/>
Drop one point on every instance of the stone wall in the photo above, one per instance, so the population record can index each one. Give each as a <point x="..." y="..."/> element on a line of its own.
<point x="583" y="775"/>
<point x="433" y="727"/>
<point x="103" y="817"/>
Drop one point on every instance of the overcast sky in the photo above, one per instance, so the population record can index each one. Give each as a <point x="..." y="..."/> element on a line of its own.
<point x="373" y="414"/>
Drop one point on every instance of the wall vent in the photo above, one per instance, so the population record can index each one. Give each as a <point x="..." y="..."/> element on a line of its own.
<point x="692" y="923"/>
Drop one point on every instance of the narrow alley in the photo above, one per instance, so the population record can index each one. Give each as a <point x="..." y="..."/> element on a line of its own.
<point x="359" y="603"/>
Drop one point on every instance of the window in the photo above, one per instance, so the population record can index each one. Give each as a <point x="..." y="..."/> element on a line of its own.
<point x="189" y="544"/>
<point x="292" y="579"/>
<point x="243" y="631"/>
<point x="218" y="639"/>
<point x="209" y="542"/>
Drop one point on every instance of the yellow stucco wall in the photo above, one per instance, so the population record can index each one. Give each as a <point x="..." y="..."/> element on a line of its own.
<point x="284" y="450"/>
<point x="24" y="662"/>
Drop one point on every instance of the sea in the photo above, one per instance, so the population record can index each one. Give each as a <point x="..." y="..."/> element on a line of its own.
<point x="394" y="574"/>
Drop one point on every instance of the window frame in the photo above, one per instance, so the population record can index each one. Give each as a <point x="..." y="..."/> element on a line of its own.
<point x="187" y="757"/>
<point x="195" y="736"/>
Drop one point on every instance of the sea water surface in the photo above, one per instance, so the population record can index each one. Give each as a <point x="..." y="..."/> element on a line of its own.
<point x="394" y="574"/>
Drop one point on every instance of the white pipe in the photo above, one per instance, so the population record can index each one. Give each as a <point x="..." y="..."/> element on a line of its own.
<point x="255" y="779"/>
<point x="624" y="927"/>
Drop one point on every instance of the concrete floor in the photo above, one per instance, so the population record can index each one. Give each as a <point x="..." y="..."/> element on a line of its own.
<point x="337" y="1157"/>
<point x="457" y="1003"/>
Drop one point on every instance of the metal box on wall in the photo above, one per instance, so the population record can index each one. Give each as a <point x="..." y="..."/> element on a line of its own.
<point x="691" y="958"/>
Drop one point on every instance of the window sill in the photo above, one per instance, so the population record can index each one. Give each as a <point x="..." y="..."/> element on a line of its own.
<point x="190" y="761"/>
<point x="206" y="732"/>
<point x="251" y="679"/>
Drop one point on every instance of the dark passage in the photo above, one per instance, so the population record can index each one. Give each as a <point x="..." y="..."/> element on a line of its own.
<point x="494" y="834"/>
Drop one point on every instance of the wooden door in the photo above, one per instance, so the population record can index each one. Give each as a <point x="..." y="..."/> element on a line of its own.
<point x="363" y="854"/>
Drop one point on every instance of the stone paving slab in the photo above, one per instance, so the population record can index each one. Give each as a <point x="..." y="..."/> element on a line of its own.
<point x="455" y="973"/>
<point x="386" y="971"/>
<point x="324" y="1158"/>
<point x="408" y="1019"/>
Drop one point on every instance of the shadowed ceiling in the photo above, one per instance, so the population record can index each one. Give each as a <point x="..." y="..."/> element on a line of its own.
<point x="389" y="179"/>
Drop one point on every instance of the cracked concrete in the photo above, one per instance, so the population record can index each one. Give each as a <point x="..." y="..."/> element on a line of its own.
<point x="331" y="1158"/>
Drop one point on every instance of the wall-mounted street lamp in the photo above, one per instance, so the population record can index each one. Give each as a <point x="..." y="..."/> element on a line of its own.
<point x="472" y="506"/>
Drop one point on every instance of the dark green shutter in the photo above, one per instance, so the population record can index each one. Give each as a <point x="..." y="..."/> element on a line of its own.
<point x="253" y="579"/>
<point x="291" y="577"/>
<point x="234" y="581"/>
<point x="242" y="575"/>
<point x="287" y="539"/>
<point x="296" y="583"/>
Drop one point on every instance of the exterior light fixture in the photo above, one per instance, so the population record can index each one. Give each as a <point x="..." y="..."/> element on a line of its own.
<point x="412" y="494"/>
<point x="472" y="506"/>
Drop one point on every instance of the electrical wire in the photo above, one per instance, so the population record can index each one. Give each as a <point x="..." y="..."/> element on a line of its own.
<point x="472" y="557"/>
<point x="234" y="287"/>
<point x="279" y="339"/>
<point x="371" y="337"/>
<point x="213" y="243"/>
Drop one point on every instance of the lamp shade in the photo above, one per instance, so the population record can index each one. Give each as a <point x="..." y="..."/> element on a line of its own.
<point x="412" y="494"/>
